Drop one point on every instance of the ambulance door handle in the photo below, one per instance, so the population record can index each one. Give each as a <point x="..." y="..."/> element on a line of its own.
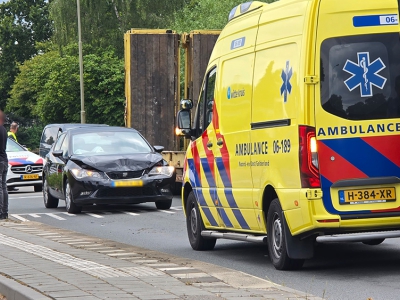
<point x="220" y="142"/>
<point x="209" y="145"/>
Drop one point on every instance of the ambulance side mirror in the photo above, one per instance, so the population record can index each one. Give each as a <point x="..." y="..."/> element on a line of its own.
<point x="186" y="104"/>
<point x="183" y="126"/>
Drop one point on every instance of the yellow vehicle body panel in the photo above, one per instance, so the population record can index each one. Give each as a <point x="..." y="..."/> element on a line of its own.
<point x="272" y="65"/>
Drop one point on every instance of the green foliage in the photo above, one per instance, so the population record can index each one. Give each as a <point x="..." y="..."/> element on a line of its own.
<point x="205" y="14"/>
<point x="23" y="23"/>
<point x="103" y="23"/>
<point x="47" y="88"/>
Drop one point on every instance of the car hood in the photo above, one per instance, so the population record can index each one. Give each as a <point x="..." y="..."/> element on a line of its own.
<point x="128" y="162"/>
<point x="23" y="158"/>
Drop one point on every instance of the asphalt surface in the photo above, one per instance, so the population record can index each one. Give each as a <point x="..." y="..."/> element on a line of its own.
<point x="338" y="271"/>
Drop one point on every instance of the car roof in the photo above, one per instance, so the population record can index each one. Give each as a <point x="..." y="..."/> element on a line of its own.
<point x="68" y="126"/>
<point x="88" y="129"/>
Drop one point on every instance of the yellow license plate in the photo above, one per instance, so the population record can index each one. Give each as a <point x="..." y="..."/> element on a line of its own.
<point x="127" y="183"/>
<point x="377" y="195"/>
<point x="30" y="176"/>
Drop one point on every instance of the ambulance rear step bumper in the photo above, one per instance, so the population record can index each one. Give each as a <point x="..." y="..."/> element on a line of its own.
<point x="234" y="236"/>
<point x="358" y="237"/>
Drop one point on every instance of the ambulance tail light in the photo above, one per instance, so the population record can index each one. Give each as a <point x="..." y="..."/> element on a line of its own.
<point x="308" y="157"/>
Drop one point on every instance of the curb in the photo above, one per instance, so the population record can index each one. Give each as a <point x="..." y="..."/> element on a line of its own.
<point x="13" y="290"/>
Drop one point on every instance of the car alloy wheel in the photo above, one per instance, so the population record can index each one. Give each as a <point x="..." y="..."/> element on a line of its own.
<point x="71" y="207"/>
<point x="48" y="199"/>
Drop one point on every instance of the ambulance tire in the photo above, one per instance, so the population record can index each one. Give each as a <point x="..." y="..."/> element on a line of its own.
<point x="195" y="225"/>
<point x="277" y="240"/>
<point x="373" y="242"/>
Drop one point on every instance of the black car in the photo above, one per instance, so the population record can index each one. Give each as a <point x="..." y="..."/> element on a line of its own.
<point x="106" y="165"/>
<point x="52" y="131"/>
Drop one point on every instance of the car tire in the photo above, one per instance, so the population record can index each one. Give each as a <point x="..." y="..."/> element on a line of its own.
<point x="164" y="204"/>
<point x="277" y="240"/>
<point x="195" y="225"/>
<point x="49" y="200"/>
<point x="37" y="188"/>
<point x="70" y="205"/>
<point x="373" y="242"/>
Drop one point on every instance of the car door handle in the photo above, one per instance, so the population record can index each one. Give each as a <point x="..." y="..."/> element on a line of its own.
<point x="220" y="142"/>
<point x="209" y="145"/>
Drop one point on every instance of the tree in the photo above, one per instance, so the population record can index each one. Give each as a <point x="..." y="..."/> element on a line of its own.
<point x="23" y="23"/>
<point x="204" y="14"/>
<point x="105" y="22"/>
<point x="47" y="88"/>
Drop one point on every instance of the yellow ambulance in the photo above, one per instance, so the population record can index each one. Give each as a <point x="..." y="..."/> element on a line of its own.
<point x="296" y="135"/>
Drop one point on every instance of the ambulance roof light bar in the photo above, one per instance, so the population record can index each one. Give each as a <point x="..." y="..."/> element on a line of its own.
<point x="244" y="8"/>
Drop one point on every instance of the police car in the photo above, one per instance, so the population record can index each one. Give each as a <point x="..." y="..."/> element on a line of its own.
<point x="24" y="167"/>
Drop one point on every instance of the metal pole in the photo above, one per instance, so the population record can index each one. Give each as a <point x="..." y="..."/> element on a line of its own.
<point x="83" y="113"/>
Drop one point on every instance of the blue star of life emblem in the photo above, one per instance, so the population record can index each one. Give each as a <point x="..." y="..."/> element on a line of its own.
<point x="365" y="74"/>
<point x="286" y="75"/>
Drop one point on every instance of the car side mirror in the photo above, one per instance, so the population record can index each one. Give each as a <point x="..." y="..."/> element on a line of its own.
<point x="158" y="149"/>
<point x="186" y="104"/>
<point x="57" y="153"/>
<point x="183" y="126"/>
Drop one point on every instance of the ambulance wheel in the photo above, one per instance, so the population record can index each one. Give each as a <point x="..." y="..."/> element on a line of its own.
<point x="373" y="242"/>
<point x="277" y="240"/>
<point x="195" y="225"/>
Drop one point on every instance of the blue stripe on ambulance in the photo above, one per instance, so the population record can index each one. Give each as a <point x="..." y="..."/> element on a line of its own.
<point x="236" y="212"/>
<point x="229" y="195"/>
<point x="222" y="172"/>
<point x="207" y="172"/>
<point x="350" y="150"/>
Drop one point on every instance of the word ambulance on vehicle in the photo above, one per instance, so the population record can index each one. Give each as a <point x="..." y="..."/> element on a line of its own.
<point x="296" y="134"/>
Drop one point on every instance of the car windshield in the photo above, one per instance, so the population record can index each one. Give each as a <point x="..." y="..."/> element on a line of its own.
<point x="110" y="143"/>
<point x="12" y="146"/>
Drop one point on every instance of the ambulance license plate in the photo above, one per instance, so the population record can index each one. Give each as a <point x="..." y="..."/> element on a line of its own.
<point x="127" y="183"/>
<point x="29" y="176"/>
<point x="378" y="195"/>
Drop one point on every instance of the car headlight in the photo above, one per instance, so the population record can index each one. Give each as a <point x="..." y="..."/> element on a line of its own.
<point x="82" y="173"/>
<point x="167" y="171"/>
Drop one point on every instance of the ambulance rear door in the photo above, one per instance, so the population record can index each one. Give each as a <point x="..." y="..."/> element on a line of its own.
<point x="357" y="107"/>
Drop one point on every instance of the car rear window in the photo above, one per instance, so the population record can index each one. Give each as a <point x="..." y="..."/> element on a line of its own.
<point x="360" y="76"/>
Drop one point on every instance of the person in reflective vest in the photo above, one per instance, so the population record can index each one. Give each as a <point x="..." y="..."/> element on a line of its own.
<point x="12" y="134"/>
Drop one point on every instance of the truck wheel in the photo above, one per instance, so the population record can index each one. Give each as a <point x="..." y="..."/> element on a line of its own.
<point x="49" y="200"/>
<point x="71" y="207"/>
<point x="277" y="240"/>
<point x="164" y="204"/>
<point x="373" y="242"/>
<point x="195" y="225"/>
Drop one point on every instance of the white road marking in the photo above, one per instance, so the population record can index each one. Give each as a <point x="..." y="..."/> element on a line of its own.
<point x="166" y="211"/>
<point x="68" y="214"/>
<point x="176" y="208"/>
<point x="130" y="213"/>
<point x="111" y="251"/>
<point x="19" y="218"/>
<point x="34" y="215"/>
<point x="95" y="215"/>
<point x="55" y="216"/>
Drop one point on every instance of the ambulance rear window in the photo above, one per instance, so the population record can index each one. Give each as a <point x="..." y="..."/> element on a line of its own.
<point x="360" y="76"/>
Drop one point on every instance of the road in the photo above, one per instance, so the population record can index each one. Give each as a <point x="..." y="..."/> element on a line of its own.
<point x="338" y="271"/>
